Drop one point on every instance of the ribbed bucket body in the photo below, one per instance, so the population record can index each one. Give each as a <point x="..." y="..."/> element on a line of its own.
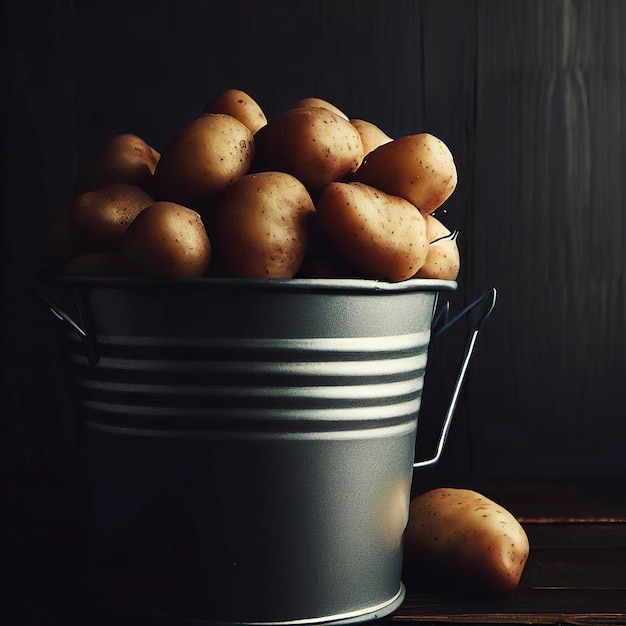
<point x="250" y="444"/>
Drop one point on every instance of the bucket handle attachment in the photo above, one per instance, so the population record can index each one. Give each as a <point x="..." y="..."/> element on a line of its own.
<point x="488" y="299"/>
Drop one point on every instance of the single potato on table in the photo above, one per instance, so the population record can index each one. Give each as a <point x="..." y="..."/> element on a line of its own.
<point x="125" y="158"/>
<point x="384" y="236"/>
<point x="203" y="160"/>
<point x="262" y="226"/>
<point x="239" y="105"/>
<point x="419" y="168"/>
<point x="466" y="538"/>
<point x="166" y="240"/>
<point x="314" y="144"/>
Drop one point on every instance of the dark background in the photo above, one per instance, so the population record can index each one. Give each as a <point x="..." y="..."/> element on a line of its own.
<point x="530" y="97"/>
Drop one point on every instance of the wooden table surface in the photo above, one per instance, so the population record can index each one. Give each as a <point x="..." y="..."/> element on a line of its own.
<point x="575" y="574"/>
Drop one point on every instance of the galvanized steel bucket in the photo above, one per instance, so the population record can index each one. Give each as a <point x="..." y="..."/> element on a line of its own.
<point x="249" y="443"/>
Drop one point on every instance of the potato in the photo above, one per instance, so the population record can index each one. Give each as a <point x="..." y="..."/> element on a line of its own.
<point x="125" y="158"/>
<point x="239" y="105"/>
<point x="95" y="264"/>
<point x="467" y="538"/>
<point x="315" y="145"/>
<point x="371" y="135"/>
<point x="384" y="236"/>
<point x="262" y="226"/>
<point x="204" y="159"/>
<point x="320" y="102"/>
<point x="166" y="240"/>
<point x="435" y="229"/>
<point x="443" y="261"/>
<point x="98" y="219"/>
<point x="419" y="168"/>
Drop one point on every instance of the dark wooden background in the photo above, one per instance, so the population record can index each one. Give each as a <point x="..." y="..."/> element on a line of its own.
<point x="530" y="96"/>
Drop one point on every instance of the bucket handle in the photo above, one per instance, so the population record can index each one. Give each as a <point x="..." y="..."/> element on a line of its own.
<point x="488" y="299"/>
<point x="59" y="313"/>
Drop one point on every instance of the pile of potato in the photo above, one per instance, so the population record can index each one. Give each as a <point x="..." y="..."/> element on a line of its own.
<point x="309" y="193"/>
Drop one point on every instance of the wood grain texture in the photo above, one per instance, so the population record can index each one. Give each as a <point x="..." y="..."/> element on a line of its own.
<point x="529" y="95"/>
<point x="547" y="230"/>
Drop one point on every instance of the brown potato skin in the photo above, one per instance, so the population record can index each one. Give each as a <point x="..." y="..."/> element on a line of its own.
<point x="435" y="228"/>
<point x="467" y="538"/>
<point x="239" y="105"/>
<point x="95" y="264"/>
<point x="371" y="135"/>
<point x="419" y="168"/>
<point x="262" y="226"/>
<point x="203" y="160"/>
<point x="319" y="102"/>
<point x="383" y="236"/>
<point x="125" y="158"/>
<point x="166" y="240"/>
<point x="98" y="219"/>
<point x="443" y="261"/>
<point x="314" y="144"/>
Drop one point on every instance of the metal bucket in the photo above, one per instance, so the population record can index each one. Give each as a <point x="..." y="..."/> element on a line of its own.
<point x="249" y="443"/>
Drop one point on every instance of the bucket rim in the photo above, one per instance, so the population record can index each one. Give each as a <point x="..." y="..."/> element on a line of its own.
<point x="253" y="284"/>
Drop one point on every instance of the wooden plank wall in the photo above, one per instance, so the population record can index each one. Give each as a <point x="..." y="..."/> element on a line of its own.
<point x="528" y="94"/>
<point x="548" y="229"/>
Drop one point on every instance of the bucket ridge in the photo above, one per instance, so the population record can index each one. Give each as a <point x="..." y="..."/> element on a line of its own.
<point x="235" y="383"/>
